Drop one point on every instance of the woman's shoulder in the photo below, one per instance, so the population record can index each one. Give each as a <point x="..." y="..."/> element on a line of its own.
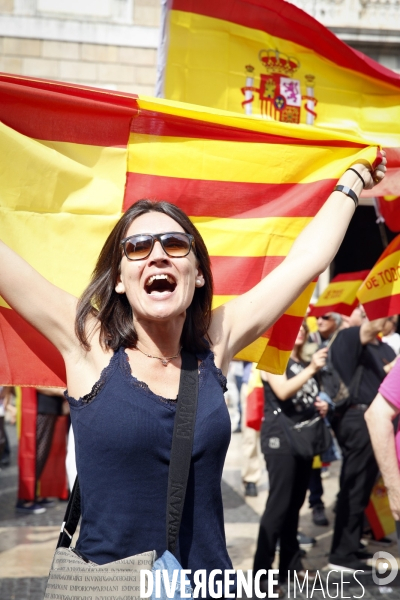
<point x="90" y="373"/>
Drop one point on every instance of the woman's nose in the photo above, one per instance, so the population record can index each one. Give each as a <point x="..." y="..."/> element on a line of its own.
<point x="158" y="252"/>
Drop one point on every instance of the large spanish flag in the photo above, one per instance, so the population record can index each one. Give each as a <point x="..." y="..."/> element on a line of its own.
<point x="340" y="295"/>
<point x="380" y="291"/>
<point x="270" y="59"/>
<point x="74" y="158"/>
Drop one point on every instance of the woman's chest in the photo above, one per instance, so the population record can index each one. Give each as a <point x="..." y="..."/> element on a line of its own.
<point x="126" y="419"/>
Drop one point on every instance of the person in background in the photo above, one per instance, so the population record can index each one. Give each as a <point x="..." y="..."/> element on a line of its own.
<point x="362" y="361"/>
<point x="379" y="418"/>
<point x="390" y="335"/>
<point x="232" y="395"/>
<point x="5" y="406"/>
<point x="51" y="404"/>
<point x="296" y="392"/>
<point x="328" y="325"/>
<point x="252" y="460"/>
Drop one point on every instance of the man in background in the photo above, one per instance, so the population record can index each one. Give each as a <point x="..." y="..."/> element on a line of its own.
<point x="362" y="361"/>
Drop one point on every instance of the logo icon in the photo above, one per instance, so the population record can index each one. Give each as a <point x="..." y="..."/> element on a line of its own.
<point x="279" y="93"/>
<point x="384" y="568"/>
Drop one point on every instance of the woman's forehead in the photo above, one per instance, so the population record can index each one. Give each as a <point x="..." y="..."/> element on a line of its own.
<point x="153" y="222"/>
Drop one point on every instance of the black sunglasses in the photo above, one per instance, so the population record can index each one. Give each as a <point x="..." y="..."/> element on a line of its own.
<point x="325" y="317"/>
<point x="176" y="244"/>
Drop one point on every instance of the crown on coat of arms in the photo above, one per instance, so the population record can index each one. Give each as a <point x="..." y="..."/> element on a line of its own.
<point x="277" y="62"/>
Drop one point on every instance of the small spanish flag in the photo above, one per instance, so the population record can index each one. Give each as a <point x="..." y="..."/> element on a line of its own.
<point x="341" y="294"/>
<point x="380" y="291"/>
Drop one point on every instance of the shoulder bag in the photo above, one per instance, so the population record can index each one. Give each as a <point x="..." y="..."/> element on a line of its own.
<point x="74" y="576"/>
<point x="307" y="438"/>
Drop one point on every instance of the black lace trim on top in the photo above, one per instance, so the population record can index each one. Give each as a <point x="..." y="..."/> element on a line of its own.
<point x="97" y="387"/>
<point x="126" y="369"/>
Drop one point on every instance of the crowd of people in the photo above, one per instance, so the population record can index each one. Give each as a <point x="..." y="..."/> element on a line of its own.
<point x="147" y="308"/>
<point x="342" y="352"/>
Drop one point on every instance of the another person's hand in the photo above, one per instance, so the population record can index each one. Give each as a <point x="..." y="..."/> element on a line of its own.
<point x="319" y="359"/>
<point x="321" y="406"/>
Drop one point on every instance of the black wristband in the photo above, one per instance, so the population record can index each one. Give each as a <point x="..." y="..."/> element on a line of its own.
<point x="358" y="174"/>
<point x="348" y="191"/>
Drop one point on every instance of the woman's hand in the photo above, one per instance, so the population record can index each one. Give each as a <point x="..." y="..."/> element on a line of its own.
<point x="321" y="406"/>
<point x="371" y="178"/>
<point x="319" y="359"/>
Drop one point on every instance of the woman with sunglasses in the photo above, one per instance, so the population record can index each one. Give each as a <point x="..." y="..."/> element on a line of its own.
<point x="149" y="297"/>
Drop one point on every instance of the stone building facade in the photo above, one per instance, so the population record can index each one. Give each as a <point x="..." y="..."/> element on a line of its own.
<point x="371" y="26"/>
<point x="113" y="43"/>
<point x="102" y="43"/>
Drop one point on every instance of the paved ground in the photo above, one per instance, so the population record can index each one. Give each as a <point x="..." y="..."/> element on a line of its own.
<point x="27" y="542"/>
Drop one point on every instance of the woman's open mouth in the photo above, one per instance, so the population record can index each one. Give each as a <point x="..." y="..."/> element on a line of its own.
<point x="160" y="284"/>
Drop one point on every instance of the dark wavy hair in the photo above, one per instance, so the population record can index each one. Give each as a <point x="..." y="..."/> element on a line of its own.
<point x="113" y="310"/>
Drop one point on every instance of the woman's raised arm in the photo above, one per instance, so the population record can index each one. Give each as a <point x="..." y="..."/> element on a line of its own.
<point x="242" y="320"/>
<point x="48" y="308"/>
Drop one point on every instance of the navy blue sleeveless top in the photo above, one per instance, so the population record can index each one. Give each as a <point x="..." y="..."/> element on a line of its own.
<point x="123" y="437"/>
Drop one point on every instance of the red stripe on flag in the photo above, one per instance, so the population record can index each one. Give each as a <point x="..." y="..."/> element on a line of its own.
<point x="199" y="197"/>
<point x="393" y="157"/>
<point x="60" y="113"/>
<point x="19" y="339"/>
<point x="284" y="332"/>
<point x="162" y="124"/>
<point x="27" y="446"/>
<point x="284" y="20"/>
<point x="235" y="275"/>
<point x="383" y="307"/>
<point x="340" y="307"/>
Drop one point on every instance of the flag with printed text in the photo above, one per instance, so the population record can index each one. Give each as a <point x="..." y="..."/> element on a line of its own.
<point x="380" y="291"/>
<point x="340" y="295"/>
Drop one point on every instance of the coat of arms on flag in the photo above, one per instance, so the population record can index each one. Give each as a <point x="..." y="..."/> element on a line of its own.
<point x="279" y="94"/>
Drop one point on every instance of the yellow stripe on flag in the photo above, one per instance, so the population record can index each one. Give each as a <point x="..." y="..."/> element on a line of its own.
<point x="274" y="360"/>
<point x="270" y="236"/>
<point x="47" y="177"/>
<point x="299" y="306"/>
<point x="59" y="201"/>
<point x="383" y="280"/>
<point x="249" y="162"/>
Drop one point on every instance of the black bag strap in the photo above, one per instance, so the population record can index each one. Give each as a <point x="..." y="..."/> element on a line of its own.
<point x="182" y="444"/>
<point x="181" y="454"/>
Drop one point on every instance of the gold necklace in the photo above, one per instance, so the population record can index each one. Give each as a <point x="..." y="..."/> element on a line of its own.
<point x="164" y="359"/>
